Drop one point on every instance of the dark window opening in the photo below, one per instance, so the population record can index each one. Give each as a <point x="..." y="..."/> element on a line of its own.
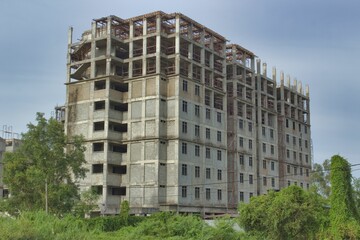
<point x="99" y="105"/>
<point x="98" y="126"/>
<point x="97" y="168"/>
<point x="117" y="127"/>
<point x="98" y="147"/>
<point x="118" y="191"/>
<point x="99" y="85"/>
<point x="121" y="87"/>
<point x="117" y="169"/>
<point x="123" y="107"/>
<point x="120" y="148"/>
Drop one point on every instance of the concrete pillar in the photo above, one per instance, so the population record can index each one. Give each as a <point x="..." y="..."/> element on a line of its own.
<point x="177" y="44"/>
<point x="274" y="76"/>
<point x="108" y="46"/>
<point x="145" y="27"/>
<point x="93" y="50"/>
<point x="288" y="81"/>
<point x="70" y="34"/>
<point x="190" y="55"/>
<point x="307" y="90"/>
<point x="131" y="47"/>
<point x="144" y="48"/>
<point x="234" y="60"/>
<point x="243" y="57"/>
<point x="282" y="97"/>
<point x="253" y="64"/>
<point x="202" y="56"/>
<point x="264" y="69"/>
<point x="158" y="43"/>
<point x="144" y="52"/>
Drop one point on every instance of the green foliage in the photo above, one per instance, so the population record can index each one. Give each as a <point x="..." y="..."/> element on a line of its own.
<point x="356" y="193"/>
<point x="223" y="230"/>
<point x="40" y="161"/>
<point x="173" y="226"/>
<point x="344" y="218"/>
<point x="291" y="213"/>
<point x="87" y="203"/>
<point x="110" y="223"/>
<point x="124" y="211"/>
<point x="38" y="225"/>
<point x="320" y="178"/>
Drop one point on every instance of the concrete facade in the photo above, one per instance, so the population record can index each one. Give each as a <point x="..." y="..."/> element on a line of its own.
<point x="6" y="145"/>
<point x="174" y="119"/>
<point x="295" y="147"/>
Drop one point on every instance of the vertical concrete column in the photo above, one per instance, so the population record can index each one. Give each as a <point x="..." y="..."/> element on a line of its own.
<point x="296" y="98"/>
<point x="144" y="60"/>
<point x="253" y="79"/>
<point x="243" y="58"/>
<point x="288" y="81"/>
<point x="264" y="68"/>
<point x="282" y="97"/>
<point x="202" y="56"/>
<point x="282" y="79"/>
<point x="108" y="46"/>
<point x="266" y="81"/>
<point x="253" y="64"/>
<point x="274" y="77"/>
<point x="307" y="92"/>
<point x="177" y="44"/>
<point x="274" y="92"/>
<point x="68" y="69"/>
<point x="93" y="50"/>
<point x="145" y="27"/>
<point x="211" y="61"/>
<point x="131" y="47"/>
<point x="190" y="50"/>
<point x="257" y="129"/>
<point x="158" y="44"/>
<point x="234" y="68"/>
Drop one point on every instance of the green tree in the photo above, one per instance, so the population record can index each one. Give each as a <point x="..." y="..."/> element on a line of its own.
<point x="87" y="202"/>
<point x="291" y="213"/>
<point x="41" y="173"/>
<point x="344" y="218"/>
<point x="320" y="178"/>
<point x="124" y="211"/>
<point x="356" y="188"/>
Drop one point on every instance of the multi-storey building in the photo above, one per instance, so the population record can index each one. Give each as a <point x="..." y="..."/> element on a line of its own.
<point x="6" y="145"/>
<point x="241" y="116"/>
<point x="294" y="134"/>
<point x="174" y="119"/>
<point x="148" y="94"/>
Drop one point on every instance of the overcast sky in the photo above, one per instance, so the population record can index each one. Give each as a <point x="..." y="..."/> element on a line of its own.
<point x="317" y="42"/>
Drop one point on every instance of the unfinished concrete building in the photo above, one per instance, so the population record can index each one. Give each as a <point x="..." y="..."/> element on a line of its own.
<point x="253" y="132"/>
<point x="9" y="142"/>
<point x="174" y="119"/>
<point x="148" y="94"/>
<point x="294" y="133"/>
